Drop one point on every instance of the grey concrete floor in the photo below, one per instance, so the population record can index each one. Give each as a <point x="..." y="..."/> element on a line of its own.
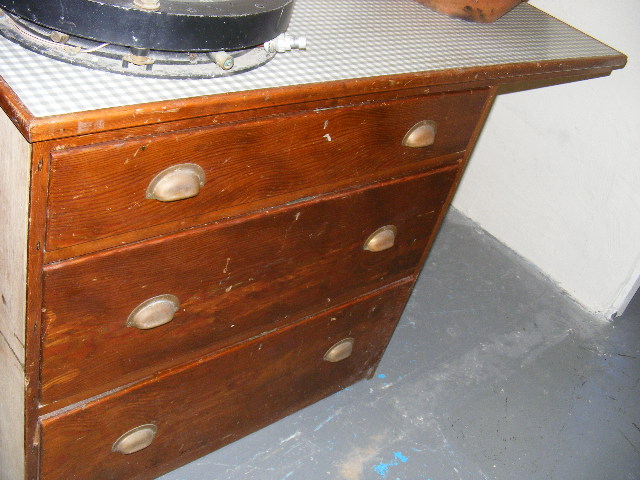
<point x="493" y="373"/>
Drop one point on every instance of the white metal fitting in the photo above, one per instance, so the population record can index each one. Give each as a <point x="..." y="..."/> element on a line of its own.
<point x="223" y="60"/>
<point x="285" y="42"/>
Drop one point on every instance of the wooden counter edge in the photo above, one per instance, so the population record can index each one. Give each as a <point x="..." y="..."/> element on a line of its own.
<point x="36" y="129"/>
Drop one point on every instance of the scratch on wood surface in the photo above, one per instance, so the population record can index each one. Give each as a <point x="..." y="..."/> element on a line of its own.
<point x="10" y="348"/>
<point x="83" y="127"/>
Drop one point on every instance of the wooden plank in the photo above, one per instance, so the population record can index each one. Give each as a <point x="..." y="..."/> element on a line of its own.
<point x="15" y="153"/>
<point x="37" y="210"/>
<point x="11" y="415"/>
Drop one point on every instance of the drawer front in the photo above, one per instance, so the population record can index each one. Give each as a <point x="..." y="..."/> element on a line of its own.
<point x="201" y="407"/>
<point x="233" y="281"/>
<point x="101" y="191"/>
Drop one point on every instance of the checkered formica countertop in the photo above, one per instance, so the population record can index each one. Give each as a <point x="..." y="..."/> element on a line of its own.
<point x="346" y="39"/>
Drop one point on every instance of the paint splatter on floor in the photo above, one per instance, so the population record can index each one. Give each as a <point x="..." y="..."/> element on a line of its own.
<point x="382" y="468"/>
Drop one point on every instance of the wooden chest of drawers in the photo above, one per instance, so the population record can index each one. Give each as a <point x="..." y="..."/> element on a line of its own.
<point x="195" y="275"/>
<point x="273" y="275"/>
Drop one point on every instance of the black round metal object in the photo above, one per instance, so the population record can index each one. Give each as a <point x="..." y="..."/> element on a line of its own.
<point x="120" y="59"/>
<point x="177" y="25"/>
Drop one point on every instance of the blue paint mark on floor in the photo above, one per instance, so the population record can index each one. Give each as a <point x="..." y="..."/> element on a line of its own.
<point x="401" y="457"/>
<point x="382" y="375"/>
<point x="382" y="468"/>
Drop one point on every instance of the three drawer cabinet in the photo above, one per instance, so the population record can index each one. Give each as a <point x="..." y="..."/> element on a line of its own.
<point x="186" y="276"/>
<point x="178" y="273"/>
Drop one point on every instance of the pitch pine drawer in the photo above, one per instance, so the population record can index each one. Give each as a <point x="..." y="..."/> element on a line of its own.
<point x="166" y="266"/>
<point x="231" y="281"/>
<point x="100" y="191"/>
<point x="293" y="359"/>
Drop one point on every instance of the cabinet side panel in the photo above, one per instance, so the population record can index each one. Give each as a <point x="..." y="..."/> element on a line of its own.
<point x="15" y="154"/>
<point x="11" y="415"/>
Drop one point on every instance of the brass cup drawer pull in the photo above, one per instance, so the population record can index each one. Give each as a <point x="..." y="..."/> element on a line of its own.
<point x="135" y="439"/>
<point x="154" y="312"/>
<point x="382" y="239"/>
<point x="422" y="134"/>
<point x="340" y="350"/>
<point x="178" y="182"/>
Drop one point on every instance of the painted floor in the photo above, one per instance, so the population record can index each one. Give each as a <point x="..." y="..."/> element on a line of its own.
<point x="493" y="373"/>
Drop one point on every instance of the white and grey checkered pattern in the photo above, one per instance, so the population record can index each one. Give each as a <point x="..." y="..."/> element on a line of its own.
<point x="347" y="39"/>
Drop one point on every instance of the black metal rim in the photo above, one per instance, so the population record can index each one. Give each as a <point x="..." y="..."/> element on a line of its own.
<point x="175" y="26"/>
<point x="113" y="58"/>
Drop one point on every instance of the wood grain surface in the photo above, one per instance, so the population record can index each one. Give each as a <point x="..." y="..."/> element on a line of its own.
<point x="15" y="162"/>
<point x="216" y="400"/>
<point x="35" y="257"/>
<point x="484" y="11"/>
<point x="99" y="191"/>
<point x="234" y="280"/>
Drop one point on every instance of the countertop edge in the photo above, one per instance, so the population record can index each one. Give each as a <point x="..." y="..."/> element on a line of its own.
<point x="37" y="129"/>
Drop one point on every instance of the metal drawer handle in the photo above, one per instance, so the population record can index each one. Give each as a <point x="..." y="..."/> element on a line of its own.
<point x="340" y="350"/>
<point x="135" y="439"/>
<point x="154" y="312"/>
<point x="422" y="134"/>
<point x="177" y="183"/>
<point x="382" y="239"/>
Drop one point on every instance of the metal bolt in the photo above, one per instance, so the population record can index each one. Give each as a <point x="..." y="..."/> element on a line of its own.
<point x="223" y="60"/>
<point x="59" y="37"/>
<point x="138" y="56"/>
<point x="285" y="42"/>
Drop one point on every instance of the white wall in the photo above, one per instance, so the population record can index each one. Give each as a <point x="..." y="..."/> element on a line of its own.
<point x="556" y="173"/>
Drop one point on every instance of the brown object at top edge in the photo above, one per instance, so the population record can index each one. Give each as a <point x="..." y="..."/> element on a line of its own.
<point x="483" y="11"/>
